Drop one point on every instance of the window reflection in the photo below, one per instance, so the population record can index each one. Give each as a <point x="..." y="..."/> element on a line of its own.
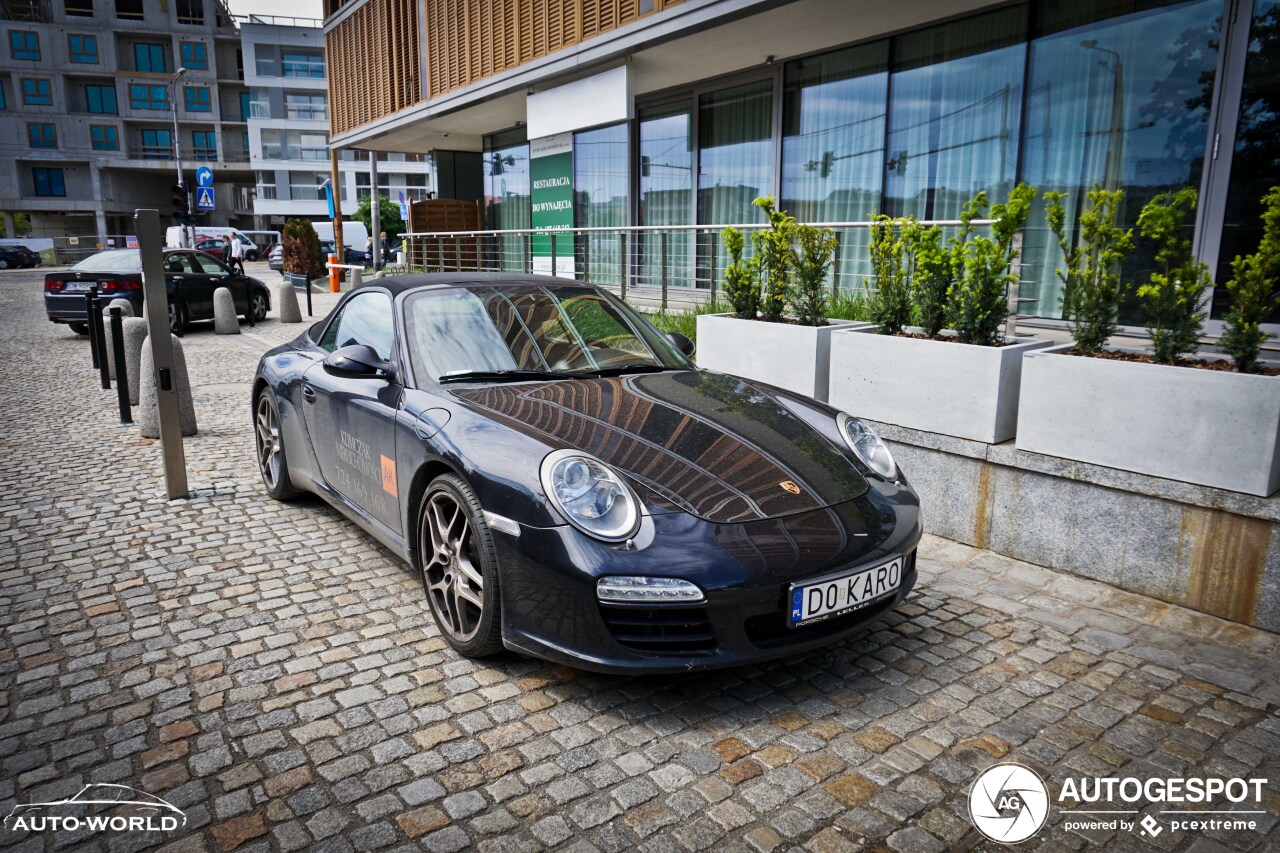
<point x="834" y="110"/>
<point x="1255" y="164"/>
<point x="1118" y="103"/>
<point x="600" y="178"/>
<point x="954" y="113"/>
<point x="506" y="191"/>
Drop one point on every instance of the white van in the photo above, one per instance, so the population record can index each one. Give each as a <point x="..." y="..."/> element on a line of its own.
<point x="173" y="237"/>
<point x="354" y="234"/>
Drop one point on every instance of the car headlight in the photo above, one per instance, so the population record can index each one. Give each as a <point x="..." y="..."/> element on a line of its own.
<point x="590" y="495"/>
<point x="869" y="447"/>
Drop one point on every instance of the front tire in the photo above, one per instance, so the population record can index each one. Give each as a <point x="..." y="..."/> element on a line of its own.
<point x="269" y="444"/>
<point x="459" y="567"/>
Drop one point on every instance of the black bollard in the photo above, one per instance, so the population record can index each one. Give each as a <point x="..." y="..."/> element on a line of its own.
<point x="88" y="320"/>
<point x="122" y="375"/>
<point x="248" y="299"/>
<point x="309" y="314"/>
<point x="95" y="318"/>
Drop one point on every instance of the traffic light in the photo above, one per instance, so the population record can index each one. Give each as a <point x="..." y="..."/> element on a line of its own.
<point x="828" y="160"/>
<point x="645" y="166"/>
<point x="181" y="205"/>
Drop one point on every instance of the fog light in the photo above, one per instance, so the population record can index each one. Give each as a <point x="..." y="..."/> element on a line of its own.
<point x="641" y="589"/>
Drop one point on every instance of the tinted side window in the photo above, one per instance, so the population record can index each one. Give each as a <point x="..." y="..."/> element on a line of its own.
<point x="180" y="263"/>
<point x="366" y="319"/>
<point x="211" y="265"/>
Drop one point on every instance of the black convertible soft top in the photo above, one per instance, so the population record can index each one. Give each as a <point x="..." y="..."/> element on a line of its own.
<point x="398" y="284"/>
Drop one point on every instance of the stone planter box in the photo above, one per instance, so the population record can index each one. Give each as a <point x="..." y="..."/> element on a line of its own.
<point x="793" y="357"/>
<point x="946" y="387"/>
<point x="1198" y="426"/>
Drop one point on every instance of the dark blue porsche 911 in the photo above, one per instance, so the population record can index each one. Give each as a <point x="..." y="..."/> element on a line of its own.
<point x="570" y="486"/>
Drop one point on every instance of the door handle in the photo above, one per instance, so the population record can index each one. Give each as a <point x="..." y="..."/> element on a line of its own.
<point x="308" y="393"/>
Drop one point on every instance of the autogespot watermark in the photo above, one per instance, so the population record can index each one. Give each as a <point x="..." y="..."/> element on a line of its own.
<point x="98" y="807"/>
<point x="1010" y="803"/>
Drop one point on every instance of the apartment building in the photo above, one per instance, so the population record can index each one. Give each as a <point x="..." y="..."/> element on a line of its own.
<point x="289" y="130"/>
<point x="679" y="112"/>
<point x="102" y="102"/>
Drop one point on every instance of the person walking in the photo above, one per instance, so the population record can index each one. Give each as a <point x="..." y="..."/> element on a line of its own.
<point x="237" y="253"/>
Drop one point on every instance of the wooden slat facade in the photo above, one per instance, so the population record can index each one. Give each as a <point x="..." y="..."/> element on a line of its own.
<point x="373" y="64"/>
<point x="375" y="60"/>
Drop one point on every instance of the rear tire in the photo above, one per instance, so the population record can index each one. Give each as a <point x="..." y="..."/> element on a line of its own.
<point x="79" y="328"/>
<point x="177" y="317"/>
<point x="258" y="301"/>
<point x="4" y="265"/>
<point x="269" y="444"/>
<point x="459" y="568"/>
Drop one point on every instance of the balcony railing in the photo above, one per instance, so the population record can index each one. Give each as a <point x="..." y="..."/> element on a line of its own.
<point x="306" y="69"/>
<point x="165" y="152"/>
<point x="663" y="265"/>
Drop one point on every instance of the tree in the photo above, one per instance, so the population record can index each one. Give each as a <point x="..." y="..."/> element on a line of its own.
<point x="1173" y="295"/>
<point x="301" y="249"/>
<point x="891" y="267"/>
<point x="977" y="301"/>
<point x="388" y="219"/>
<point x="1253" y="290"/>
<point x="1091" y="286"/>
<point x="21" y="224"/>
<point x="815" y="250"/>
<point x="775" y="257"/>
<point x="741" y="286"/>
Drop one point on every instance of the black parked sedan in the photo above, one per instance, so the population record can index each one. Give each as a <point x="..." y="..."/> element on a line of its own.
<point x="570" y="486"/>
<point x="18" y="257"/>
<point x="191" y="277"/>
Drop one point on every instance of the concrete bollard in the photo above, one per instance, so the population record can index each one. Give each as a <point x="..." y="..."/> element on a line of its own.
<point x="287" y="303"/>
<point x="148" y="409"/>
<point x="134" y="333"/>
<point x="225" y="321"/>
<point x="356" y="279"/>
<point x="126" y="311"/>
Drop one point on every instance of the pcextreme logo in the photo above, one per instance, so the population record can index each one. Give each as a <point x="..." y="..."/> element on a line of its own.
<point x="1009" y="803"/>
<point x="98" y="807"/>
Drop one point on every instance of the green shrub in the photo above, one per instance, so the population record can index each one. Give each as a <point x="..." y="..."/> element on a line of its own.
<point x="932" y="277"/>
<point x="815" y="250"/>
<point x="977" y="301"/>
<point x="741" y="283"/>
<point x="1173" y="296"/>
<point x="1092" y="290"/>
<point x="775" y="259"/>
<point x="890" y="305"/>
<point x="301" y="249"/>
<point x="1254" y="279"/>
<point x="849" y="306"/>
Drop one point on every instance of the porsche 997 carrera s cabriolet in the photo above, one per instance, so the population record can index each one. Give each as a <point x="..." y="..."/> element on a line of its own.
<point x="569" y="485"/>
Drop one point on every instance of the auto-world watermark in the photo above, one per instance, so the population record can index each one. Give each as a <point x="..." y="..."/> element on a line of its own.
<point x="1010" y="803"/>
<point x="98" y="807"/>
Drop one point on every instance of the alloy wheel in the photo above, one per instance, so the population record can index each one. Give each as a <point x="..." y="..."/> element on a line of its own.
<point x="268" y="441"/>
<point x="259" y="307"/>
<point x="455" y="584"/>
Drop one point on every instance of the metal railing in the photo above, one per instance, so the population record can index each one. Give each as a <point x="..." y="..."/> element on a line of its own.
<point x="661" y="264"/>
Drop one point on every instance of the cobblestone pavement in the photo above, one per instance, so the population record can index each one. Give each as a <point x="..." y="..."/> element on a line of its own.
<point x="274" y="673"/>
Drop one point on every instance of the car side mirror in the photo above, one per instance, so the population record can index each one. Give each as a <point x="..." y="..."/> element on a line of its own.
<point x="682" y="343"/>
<point x="357" y="361"/>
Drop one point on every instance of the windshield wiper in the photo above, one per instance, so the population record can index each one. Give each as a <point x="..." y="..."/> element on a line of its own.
<point x="620" y="370"/>
<point x="513" y="375"/>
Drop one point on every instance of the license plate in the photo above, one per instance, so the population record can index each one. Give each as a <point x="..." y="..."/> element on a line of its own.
<point x="815" y="601"/>
<point x="77" y="287"/>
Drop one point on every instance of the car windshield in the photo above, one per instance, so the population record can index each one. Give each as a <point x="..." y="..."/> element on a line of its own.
<point x="530" y="330"/>
<point x="112" y="260"/>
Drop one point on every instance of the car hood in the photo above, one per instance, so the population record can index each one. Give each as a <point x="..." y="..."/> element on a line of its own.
<point x="716" y="446"/>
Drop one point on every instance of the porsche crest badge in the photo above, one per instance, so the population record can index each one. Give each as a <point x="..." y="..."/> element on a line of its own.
<point x="790" y="487"/>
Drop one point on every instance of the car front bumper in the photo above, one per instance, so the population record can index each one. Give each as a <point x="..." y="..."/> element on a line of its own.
<point x="551" y="611"/>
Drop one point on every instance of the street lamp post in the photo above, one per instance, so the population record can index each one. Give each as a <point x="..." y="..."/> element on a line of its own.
<point x="177" y="144"/>
<point x="1114" y="148"/>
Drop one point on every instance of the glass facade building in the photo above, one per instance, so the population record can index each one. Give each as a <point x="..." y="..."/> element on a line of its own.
<point x="1061" y="94"/>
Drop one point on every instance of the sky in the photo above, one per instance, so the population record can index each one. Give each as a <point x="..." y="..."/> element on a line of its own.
<point x="294" y="8"/>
